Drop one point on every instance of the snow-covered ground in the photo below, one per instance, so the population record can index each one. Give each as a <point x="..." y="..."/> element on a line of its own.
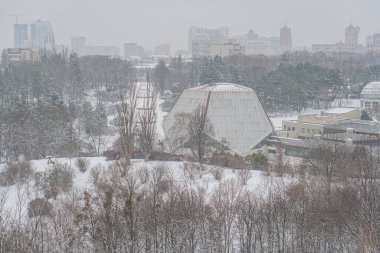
<point x="355" y="103"/>
<point x="160" y="135"/>
<point x="17" y="197"/>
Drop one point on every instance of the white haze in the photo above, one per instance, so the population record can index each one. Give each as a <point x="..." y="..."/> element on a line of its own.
<point x="151" y="22"/>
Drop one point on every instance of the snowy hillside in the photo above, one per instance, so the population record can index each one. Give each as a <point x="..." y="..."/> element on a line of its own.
<point x="14" y="198"/>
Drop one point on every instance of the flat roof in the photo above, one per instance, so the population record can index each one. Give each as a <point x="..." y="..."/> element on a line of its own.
<point x="340" y="110"/>
<point x="370" y="128"/>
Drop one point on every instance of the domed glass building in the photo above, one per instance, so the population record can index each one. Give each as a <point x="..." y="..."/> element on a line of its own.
<point x="370" y="96"/>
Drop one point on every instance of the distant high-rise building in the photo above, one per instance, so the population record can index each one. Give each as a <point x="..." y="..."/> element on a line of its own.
<point x="163" y="49"/>
<point x="228" y="49"/>
<point x="100" y="51"/>
<point x="41" y="35"/>
<point x="20" y="35"/>
<point x="133" y="49"/>
<point x="373" y="43"/>
<point x="251" y="35"/>
<point x="286" y="40"/>
<point x="200" y="39"/>
<point x="352" y="35"/>
<point x="255" y="45"/>
<point x="77" y="44"/>
<point x="350" y="45"/>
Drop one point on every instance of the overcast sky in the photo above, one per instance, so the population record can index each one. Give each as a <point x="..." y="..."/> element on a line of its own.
<point x="151" y="22"/>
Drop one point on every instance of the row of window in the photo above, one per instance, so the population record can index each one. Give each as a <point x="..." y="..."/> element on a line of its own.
<point x="367" y="105"/>
<point x="302" y="130"/>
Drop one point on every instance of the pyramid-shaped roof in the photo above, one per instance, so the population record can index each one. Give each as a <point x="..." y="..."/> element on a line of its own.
<point x="235" y="112"/>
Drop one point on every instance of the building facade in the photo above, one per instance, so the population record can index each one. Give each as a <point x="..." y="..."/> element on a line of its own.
<point x="286" y="41"/>
<point x="133" y="50"/>
<point x="101" y="51"/>
<point x="20" y="35"/>
<point x="42" y="36"/>
<point x="373" y="43"/>
<point x="352" y="35"/>
<point x="337" y="48"/>
<point x="77" y="44"/>
<point x="350" y="44"/>
<point x="224" y="50"/>
<point x="370" y="97"/>
<point x="163" y="49"/>
<point x="308" y="126"/>
<point x="19" y="55"/>
<point x="200" y="40"/>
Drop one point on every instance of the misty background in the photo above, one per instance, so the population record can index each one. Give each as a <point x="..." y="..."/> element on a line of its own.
<point x="151" y="22"/>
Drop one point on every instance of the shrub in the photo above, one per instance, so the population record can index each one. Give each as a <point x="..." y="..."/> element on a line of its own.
<point x="228" y="160"/>
<point x="16" y="172"/>
<point x="39" y="207"/>
<point x="163" y="185"/>
<point x="143" y="175"/>
<point x="217" y="172"/>
<point x="111" y="154"/>
<point x="244" y="176"/>
<point x="258" y="161"/>
<point x="60" y="180"/>
<point x="194" y="170"/>
<point x="82" y="164"/>
<point x="95" y="174"/>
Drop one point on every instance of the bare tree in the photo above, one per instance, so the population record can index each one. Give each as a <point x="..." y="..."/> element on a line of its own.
<point x="199" y="130"/>
<point x="147" y="121"/>
<point x="126" y="110"/>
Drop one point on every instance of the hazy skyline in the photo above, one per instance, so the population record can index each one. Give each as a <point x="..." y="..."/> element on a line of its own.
<point x="151" y="22"/>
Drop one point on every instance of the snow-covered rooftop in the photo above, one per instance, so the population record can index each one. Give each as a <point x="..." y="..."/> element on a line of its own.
<point x="340" y="110"/>
<point x="221" y="87"/>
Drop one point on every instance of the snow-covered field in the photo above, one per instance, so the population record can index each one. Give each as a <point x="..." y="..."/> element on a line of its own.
<point x="15" y="198"/>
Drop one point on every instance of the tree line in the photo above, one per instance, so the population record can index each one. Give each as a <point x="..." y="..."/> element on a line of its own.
<point x="43" y="110"/>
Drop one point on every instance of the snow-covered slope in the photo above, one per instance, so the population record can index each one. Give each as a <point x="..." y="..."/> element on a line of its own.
<point x="16" y="197"/>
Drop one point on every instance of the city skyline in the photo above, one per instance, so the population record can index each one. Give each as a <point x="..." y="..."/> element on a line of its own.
<point x="118" y="28"/>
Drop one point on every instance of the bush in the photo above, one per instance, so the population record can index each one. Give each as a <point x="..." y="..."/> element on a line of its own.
<point x="217" y="172"/>
<point x="111" y="154"/>
<point x="60" y="180"/>
<point x="39" y="207"/>
<point x="143" y="175"/>
<point x="228" y="160"/>
<point x="95" y="174"/>
<point x="16" y="172"/>
<point x="82" y="164"/>
<point x="258" y="161"/>
<point x="194" y="170"/>
<point x="244" y="176"/>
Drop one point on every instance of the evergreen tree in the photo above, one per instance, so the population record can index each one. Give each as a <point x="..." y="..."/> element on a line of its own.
<point x="161" y="75"/>
<point x="76" y="89"/>
<point x="365" y="115"/>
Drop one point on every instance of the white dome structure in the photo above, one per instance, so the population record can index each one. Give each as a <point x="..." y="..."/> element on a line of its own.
<point x="370" y="96"/>
<point x="235" y="112"/>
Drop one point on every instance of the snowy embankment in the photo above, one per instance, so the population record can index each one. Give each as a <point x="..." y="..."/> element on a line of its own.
<point x="14" y="199"/>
